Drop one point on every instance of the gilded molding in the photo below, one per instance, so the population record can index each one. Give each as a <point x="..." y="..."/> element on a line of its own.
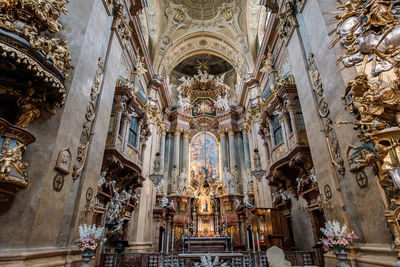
<point x="120" y="24"/>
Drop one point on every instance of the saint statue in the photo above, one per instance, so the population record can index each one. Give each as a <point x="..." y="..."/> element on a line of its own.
<point x="28" y="108"/>
<point x="157" y="163"/>
<point x="257" y="160"/>
<point x="228" y="182"/>
<point x="183" y="184"/>
<point x="174" y="177"/>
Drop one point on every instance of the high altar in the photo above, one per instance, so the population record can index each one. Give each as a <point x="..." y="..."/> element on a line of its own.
<point x="208" y="201"/>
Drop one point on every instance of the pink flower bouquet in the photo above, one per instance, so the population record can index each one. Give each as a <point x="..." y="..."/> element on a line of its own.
<point x="336" y="237"/>
<point x="90" y="237"/>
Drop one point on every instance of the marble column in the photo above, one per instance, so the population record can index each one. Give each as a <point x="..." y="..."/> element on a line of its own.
<point x="271" y="131"/>
<point x="177" y="140"/>
<point x="224" y="150"/>
<point x="126" y="122"/>
<point x="232" y="159"/>
<point x="167" y="154"/>
<point x="116" y="124"/>
<point x="185" y="150"/>
<point x="162" y="151"/>
<point x="292" y="114"/>
<point x="242" y="182"/>
<point x="246" y="148"/>
<point x="283" y="120"/>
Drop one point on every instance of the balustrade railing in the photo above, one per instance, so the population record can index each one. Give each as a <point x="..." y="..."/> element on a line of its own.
<point x="243" y="259"/>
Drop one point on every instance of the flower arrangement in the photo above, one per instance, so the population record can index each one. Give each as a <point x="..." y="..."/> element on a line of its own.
<point x="206" y="261"/>
<point x="336" y="237"/>
<point x="90" y="237"/>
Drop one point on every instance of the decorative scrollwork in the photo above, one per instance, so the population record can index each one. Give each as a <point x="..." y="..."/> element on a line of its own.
<point x="325" y="116"/>
<point x="90" y="115"/>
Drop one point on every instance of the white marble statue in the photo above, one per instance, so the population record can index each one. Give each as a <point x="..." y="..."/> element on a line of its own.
<point x="222" y="103"/>
<point x="157" y="163"/>
<point x="249" y="181"/>
<point x="174" y="177"/>
<point x="229" y="182"/>
<point x="203" y="76"/>
<point x="220" y="80"/>
<point x="257" y="160"/>
<point x="164" y="201"/>
<point x="114" y="207"/>
<point x="183" y="184"/>
<point x="246" y="200"/>
<point x="183" y="102"/>
<point x="161" y="186"/>
<point x="102" y="180"/>
<point x="186" y="81"/>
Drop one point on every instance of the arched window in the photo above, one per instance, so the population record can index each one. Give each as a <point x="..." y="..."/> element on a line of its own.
<point x="132" y="138"/>
<point x="277" y="128"/>
<point x="299" y="114"/>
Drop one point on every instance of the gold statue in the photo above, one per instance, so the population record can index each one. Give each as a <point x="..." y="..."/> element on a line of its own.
<point x="28" y="112"/>
<point x="12" y="159"/>
<point x="378" y="13"/>
<point x="29" y="108"/>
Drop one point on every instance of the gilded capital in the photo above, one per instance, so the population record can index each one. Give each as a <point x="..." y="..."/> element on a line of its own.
<point x="186" y="133"/>
<point x="221" y="133"/>
<point x="177" y="132"/>
<point x="230" y="131"/>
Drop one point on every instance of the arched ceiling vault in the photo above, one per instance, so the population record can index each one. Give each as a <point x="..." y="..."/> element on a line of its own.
<point x="202" y="43"/>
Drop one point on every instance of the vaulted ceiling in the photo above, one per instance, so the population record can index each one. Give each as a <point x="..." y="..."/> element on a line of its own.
<point x="179" y="30"/>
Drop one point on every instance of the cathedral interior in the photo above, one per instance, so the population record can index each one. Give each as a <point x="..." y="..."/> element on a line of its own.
<point x="200" y="133"/>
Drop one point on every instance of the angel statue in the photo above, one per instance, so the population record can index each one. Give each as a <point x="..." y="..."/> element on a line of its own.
<point x="11" y="158"/>
<point x="222" y="103"/>
<point x="183" y="102"/>
<point x="186" y="81"/>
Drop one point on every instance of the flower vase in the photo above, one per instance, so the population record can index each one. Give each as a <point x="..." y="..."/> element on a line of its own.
<point x="87" y="257"/>
<point x="342" y="257"/>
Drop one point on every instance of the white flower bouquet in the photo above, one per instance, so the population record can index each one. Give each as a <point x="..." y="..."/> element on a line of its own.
<point x="336" y="237"/>
<point x="90" y="237"/>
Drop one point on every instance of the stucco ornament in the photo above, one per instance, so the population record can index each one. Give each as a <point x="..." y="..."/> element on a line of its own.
<point x="201" y="44"/>
<point x="226" y="18"/>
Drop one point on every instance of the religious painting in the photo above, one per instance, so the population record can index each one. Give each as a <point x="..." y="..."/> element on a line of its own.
<point x="204" y="159"/>
<point x="203" y="106"/>
<point x="205" y="205"/>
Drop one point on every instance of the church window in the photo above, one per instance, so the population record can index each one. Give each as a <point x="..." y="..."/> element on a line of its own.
<point x="132" y="138"/>
<point x="299" y="114"/>
<point x="276" y="126"/>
